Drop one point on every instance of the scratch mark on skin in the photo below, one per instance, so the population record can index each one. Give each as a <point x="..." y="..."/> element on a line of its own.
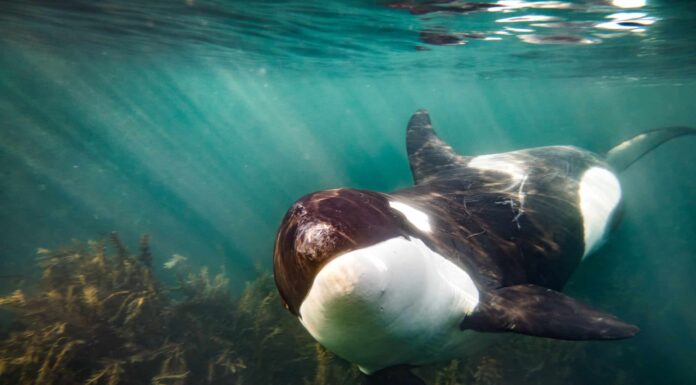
<point x="517" y="208"/>
<point x="521" y="195"/>
<point x="475" y="234"/>
<point x="468" y="200"/>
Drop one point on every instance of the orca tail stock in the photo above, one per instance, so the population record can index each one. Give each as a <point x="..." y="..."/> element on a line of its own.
<point x="624" y="154"/>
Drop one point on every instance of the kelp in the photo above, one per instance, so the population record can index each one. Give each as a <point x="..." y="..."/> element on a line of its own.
<point x="99" y="316"/>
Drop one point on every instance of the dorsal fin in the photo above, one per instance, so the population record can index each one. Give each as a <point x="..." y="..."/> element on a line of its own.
<point x="625" y="153"/>
<point x="427" y="153"/>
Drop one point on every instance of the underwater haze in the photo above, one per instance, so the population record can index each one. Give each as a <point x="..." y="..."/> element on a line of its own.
<point x="200" y="122"/>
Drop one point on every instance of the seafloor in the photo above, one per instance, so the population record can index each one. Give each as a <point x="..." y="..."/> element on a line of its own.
<point x="100" y="315"/>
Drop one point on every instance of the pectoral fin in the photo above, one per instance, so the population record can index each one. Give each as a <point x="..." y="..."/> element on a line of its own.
<point x="542" y="312"/>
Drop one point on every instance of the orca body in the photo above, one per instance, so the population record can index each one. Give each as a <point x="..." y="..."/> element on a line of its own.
<point x="478" y="244"/>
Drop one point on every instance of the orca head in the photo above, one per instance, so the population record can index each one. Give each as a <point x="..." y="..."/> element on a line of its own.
<point x="324" y="225"/>
<point x="353" y="266"/>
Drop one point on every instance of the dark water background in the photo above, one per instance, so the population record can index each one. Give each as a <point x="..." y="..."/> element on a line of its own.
<point x="200" y="122"/>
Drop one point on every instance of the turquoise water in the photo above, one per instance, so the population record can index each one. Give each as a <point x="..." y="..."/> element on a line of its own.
<point x="200" y="122"/>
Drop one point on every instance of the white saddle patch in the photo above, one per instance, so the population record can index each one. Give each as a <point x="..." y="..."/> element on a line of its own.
<point x="600" y="193"/>
<point x="506" y="163"/>
<point x="395" y="302"/>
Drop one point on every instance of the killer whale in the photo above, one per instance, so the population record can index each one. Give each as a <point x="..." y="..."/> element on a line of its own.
<point x="478" y="244"/>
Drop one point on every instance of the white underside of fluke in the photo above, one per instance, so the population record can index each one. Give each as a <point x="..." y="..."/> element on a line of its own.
<point x="396" y="302"/>
<point x="600" y="193"/>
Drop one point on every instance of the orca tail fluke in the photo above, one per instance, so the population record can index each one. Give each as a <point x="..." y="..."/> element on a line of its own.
<point x="625" y="153"/>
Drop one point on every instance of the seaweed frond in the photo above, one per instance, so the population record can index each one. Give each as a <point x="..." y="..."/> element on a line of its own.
<point x="121" y="249"/>
<point x="145" y="255"/>
<point x="110" y="374"/>
<point x="99" y="316"/>
<point x="488" y="371"/>
<point x="14" y="299"/>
